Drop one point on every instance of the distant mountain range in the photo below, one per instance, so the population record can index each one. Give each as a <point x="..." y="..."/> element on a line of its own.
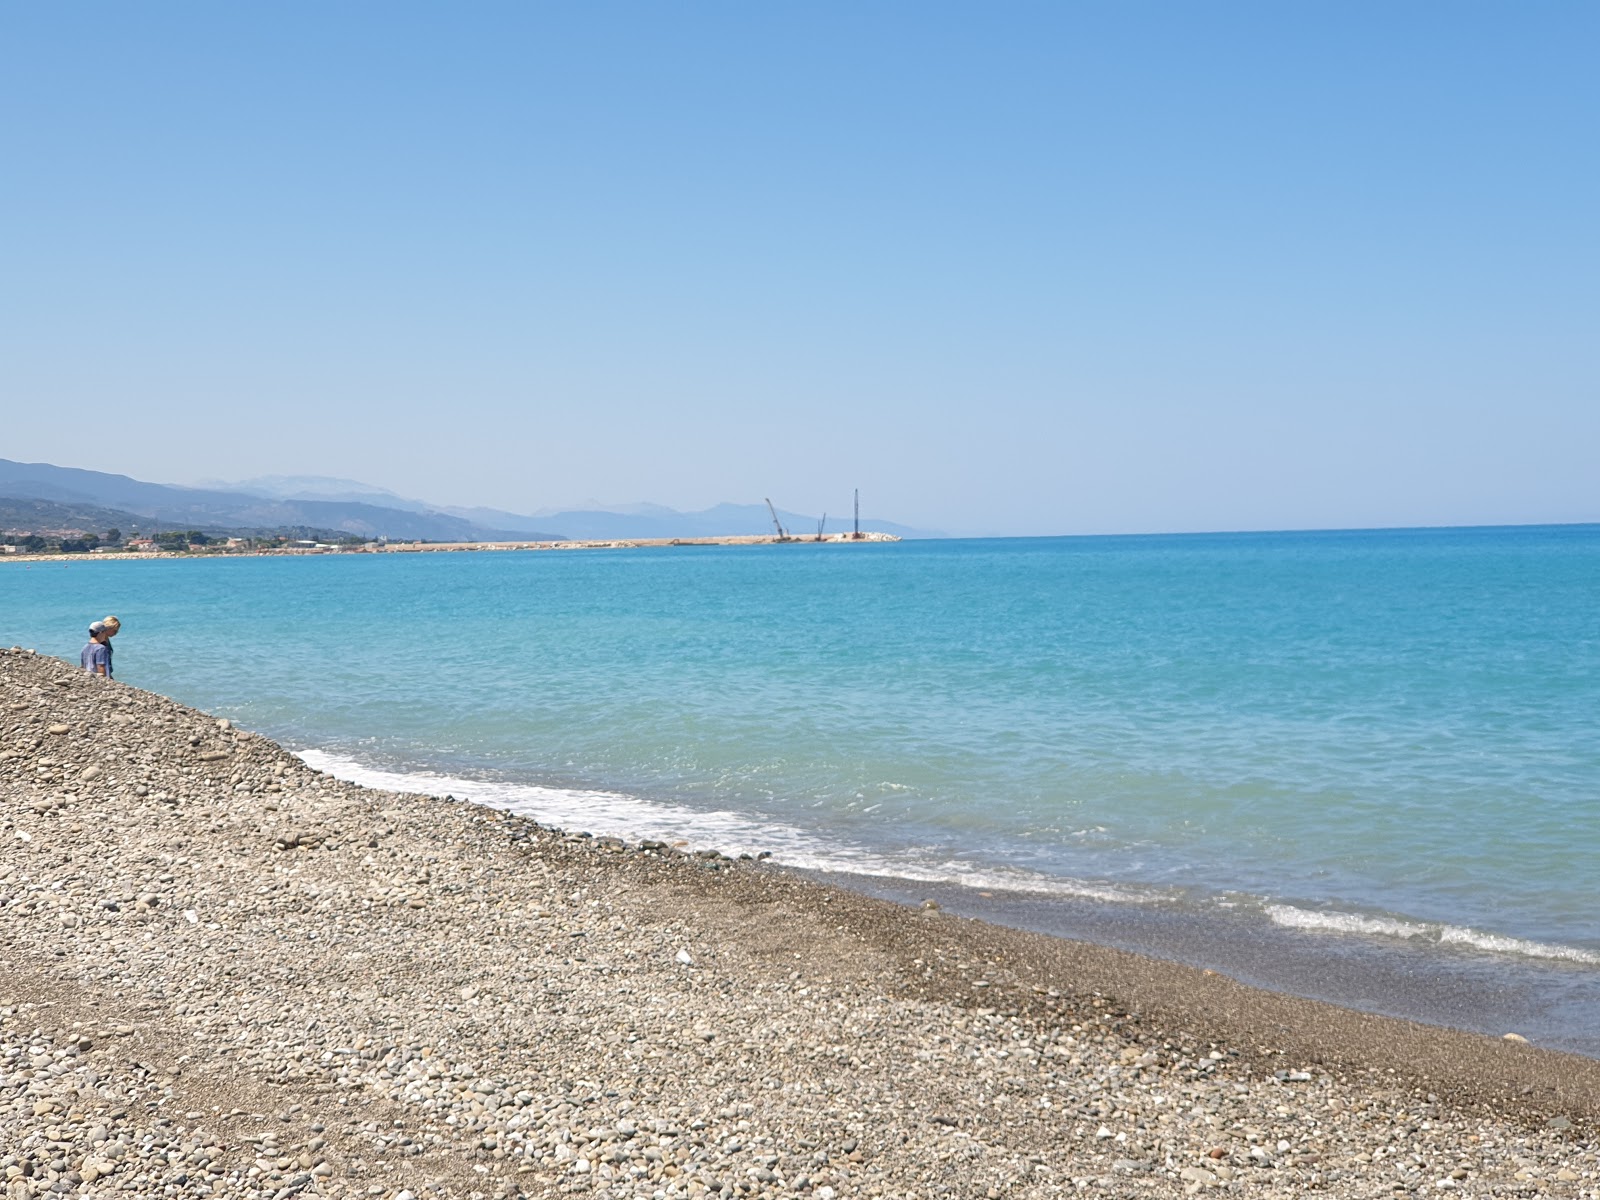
<point x="35" y="496"/>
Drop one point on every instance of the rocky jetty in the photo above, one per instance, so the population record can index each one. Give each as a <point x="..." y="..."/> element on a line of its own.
<point x="224" y="974"/>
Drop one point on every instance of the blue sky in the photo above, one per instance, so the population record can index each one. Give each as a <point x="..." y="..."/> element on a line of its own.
<point x="1020" y="268"/>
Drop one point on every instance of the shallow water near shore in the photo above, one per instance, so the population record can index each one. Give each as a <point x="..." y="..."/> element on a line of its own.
<point x="1359" y="766"/>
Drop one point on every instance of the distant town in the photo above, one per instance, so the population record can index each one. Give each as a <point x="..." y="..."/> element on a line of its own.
<point x="188" y="541"/>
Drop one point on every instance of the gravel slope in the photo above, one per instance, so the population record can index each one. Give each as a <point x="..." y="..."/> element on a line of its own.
<point x="222" y="973"/>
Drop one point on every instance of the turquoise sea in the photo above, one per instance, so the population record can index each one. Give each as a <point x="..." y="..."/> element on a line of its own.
<point x="1358" y="765"/>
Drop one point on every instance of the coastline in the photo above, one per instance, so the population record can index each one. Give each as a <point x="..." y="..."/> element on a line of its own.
<point x="1490" y="986"/>
<point x="435" y="991"/>
<point x="760" y="539"/>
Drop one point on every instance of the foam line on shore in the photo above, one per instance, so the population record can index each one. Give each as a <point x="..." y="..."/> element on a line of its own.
<point x="373" y="967"/>
<point x="616" y="814"/>
<point x="1333" y="922"/>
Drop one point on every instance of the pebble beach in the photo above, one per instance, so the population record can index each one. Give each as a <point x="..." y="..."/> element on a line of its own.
<point x="223" y="973"/>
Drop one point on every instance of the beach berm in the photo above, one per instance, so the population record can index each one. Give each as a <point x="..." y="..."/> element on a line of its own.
<point x="223" y="973"/>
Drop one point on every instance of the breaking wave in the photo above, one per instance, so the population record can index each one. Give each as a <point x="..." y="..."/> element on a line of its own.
<point x="1334" y="922"/>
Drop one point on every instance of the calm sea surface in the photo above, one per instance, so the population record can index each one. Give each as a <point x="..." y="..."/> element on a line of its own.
<point x="1359" y="765"/>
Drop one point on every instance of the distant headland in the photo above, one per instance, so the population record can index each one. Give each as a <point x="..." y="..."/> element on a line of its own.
<point x="50" y="510"/>
<point x="240" y="547"/>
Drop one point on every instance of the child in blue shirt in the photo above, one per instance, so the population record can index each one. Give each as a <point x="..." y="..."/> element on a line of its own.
<point x="96" y="656"/>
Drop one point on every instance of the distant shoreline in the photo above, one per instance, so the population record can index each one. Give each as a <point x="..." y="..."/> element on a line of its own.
<point x="766" y="539"/>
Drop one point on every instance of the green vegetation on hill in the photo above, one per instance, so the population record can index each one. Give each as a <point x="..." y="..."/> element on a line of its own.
<point x="50" y="517"/>
<point x="49" y="527"/>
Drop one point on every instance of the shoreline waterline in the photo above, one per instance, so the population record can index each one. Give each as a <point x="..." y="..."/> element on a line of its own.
<point x="1363" y="747"/>
<point x="455" y="994"/>
<point x="498" y="546"/>
<point x="1385" y="726"/>
<point x="1476" y="981"/>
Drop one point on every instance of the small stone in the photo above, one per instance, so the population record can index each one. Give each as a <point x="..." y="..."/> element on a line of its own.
<point x="685" y="958"/>
<point x="91" y="773"/>
<point x="1515" y="1037"/>
<point x="60" y="729"/>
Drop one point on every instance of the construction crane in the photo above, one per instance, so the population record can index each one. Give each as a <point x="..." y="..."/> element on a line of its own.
<point x="783" y="534"/>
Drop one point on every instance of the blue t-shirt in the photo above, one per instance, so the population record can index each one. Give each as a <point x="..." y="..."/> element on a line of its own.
<point x="94" y="656"/>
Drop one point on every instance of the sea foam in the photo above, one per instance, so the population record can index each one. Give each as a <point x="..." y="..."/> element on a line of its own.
<point x="616" y="814"/>
<point x="1334" y="922"/>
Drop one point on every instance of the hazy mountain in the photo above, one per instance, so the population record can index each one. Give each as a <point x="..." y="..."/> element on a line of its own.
<point x="327" y="489"/>
<point x="284" y="501"/>
<point x="55" y="516"/>
<point x="208" y="509"/>
<point x="43" y="481"/>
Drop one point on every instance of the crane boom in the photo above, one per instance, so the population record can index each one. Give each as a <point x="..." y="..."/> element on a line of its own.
<point x="783" y="534"/>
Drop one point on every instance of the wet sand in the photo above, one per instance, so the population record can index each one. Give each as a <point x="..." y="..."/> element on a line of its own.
<point x="1552" y="1002"/>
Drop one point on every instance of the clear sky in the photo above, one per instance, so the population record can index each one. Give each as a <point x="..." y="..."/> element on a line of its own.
<point x="1007" y="268"/>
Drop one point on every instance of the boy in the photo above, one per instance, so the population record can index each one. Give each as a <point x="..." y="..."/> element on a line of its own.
<point x="96" y="656"/>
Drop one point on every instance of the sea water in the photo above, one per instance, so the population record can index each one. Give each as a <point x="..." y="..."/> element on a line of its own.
<point x="1359" y="765"/>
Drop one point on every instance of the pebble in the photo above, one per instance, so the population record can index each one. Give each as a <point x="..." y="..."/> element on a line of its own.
<point x="321" y="990"/>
